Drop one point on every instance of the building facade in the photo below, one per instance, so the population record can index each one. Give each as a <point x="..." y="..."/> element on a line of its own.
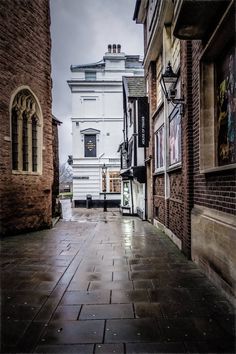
<point x="132" y="149"/>
<point x="164" y="162"/>
<point x="192" y="143"/>
<point x="97" y="123"/>
<point x="26" y="160"/>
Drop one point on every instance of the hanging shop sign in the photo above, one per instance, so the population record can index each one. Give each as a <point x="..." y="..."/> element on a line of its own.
<point x="143" y="122"/>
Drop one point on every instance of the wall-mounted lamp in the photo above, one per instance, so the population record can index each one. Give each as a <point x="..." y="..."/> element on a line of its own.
<point x="168" y="84"/>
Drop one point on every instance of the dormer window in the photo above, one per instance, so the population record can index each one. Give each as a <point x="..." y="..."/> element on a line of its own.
<point x="90" y="75"/>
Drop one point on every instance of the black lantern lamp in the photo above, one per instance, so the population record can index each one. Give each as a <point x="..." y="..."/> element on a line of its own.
<point x="104" y="176"/>
<point x="168" y="84"/>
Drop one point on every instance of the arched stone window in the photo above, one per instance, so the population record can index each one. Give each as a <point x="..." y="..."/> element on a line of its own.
<point x="26" y="132"/>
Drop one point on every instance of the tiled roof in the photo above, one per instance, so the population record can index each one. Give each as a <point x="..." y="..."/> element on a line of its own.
<point x="135" y="86"/>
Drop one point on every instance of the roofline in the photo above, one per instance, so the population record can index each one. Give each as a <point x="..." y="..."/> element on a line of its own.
<point x="126" y="88"/>
<point x="102" y="62"/>
<point x="127" y="76"/>
<point x="136" y="10"/>
<point x="93" y="82"/>
<point x="57" y="121"/>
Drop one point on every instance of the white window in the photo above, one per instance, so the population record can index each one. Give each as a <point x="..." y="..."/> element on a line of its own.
<point x="90" y="75"/>
<point x="160" y="147"/>
<point x="175" y="137"/>
<point x="114" y="181"/>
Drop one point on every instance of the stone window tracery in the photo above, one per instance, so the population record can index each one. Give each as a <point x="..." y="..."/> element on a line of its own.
<point x="26" y="133"/>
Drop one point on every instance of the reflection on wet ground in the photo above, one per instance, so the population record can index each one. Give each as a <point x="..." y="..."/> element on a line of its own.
<point x="102" y="283"/>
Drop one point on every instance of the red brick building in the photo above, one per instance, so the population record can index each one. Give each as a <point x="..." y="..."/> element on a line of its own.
<point x="25" y="116"/>
<point x="192" y="155"/>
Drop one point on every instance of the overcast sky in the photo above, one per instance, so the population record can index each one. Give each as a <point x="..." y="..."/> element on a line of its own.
<point x="81" y="31"/>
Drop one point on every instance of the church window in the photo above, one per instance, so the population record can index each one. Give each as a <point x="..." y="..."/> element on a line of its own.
<point x="26" y="133"/>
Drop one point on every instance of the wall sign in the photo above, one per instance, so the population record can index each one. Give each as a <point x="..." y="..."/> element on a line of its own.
<point x="90" y="146"/>
<point x="81" y="177"/>
<point x="143" y="122"/>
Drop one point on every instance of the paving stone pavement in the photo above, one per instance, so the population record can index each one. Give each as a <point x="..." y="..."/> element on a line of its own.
<point x="102" y="283"/>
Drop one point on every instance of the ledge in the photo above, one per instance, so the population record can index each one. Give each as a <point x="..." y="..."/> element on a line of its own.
<point x="177" y="166"/>
<point x="218" y="168"/>
<point x="160" y="172"/>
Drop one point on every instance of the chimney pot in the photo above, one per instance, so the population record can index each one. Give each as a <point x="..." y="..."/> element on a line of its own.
<point x="109" y="48"/>
<point x="114" y="48"/>
<point x="118" y="48"/>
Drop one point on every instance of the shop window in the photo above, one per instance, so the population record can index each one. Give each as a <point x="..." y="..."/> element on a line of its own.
<point x="130" y="116"/>
<point x="26" y="133"/>
<point x="175" y="137"/>
<point x="160" y="147"/>
<point x="124" y="156"/>
<point x="218" y="98"/>
<point x="114" y="181"/>
<point x="130" y="154"/>
<point x="126" y="193"/>
<point x="226" y="109"/>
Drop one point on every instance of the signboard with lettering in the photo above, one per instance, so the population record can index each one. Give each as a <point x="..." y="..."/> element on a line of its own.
<point x="143" y="122"/>
<point x="90" y="146"/>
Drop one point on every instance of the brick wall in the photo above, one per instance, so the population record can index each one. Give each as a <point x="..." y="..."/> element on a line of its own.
<point x="176" y="204"/>
<point x="25" y="60"/>
<point x="159" y="198"/>
<point x="187" y="142"/>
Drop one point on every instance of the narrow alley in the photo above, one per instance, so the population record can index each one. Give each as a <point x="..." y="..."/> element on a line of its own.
<point x="102" y="283"/>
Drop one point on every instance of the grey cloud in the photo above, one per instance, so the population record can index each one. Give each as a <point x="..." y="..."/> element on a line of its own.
<point x="81" y="30"/>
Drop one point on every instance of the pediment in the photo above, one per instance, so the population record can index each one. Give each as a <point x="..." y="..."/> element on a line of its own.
<point x="90" y="131"/>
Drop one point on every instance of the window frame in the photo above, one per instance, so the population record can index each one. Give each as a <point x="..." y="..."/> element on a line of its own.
<point x="159" y="167"/>
<point x="173" y="115"/>
<point x="114" y="176"/>
<point x="90" y="75"/>
<point x="24" y="107"/>
<point x="217" y="44"/>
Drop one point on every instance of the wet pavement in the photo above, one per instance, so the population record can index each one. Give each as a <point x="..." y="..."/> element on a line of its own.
<point x="102" y="283"/>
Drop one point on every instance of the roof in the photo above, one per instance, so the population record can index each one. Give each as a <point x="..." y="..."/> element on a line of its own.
<point x="134" y="86"/>
<point x="57" y="121"/>
<point x="131" y="61"/>
<point x="99" y="65"/>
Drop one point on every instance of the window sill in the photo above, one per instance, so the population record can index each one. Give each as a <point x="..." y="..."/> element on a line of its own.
<point x="30" y="173"/>
<point x="218" y="168"/>
<point x="159" y="172"/>
<point x="177" y="166"/>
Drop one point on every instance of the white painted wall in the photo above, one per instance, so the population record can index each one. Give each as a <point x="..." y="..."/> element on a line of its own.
<point x="98" y="105"/>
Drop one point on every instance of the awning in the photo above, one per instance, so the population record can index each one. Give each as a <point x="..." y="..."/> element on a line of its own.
<point x="126" y="174"/>
<point x="139" y="172"/>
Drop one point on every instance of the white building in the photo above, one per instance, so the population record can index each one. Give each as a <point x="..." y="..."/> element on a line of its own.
<point x="97" y="124"/>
